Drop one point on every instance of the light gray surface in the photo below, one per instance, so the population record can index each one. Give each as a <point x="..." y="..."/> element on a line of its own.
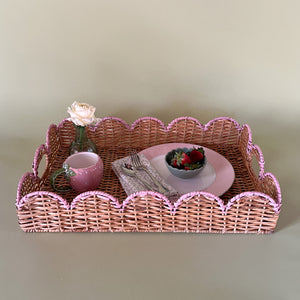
<point x="151" y="266"/>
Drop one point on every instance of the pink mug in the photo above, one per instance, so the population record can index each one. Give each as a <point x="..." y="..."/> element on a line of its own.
<point x="84" y="171"/>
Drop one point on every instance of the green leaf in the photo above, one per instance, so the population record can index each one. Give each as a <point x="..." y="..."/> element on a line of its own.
<point x="68" y="171"/>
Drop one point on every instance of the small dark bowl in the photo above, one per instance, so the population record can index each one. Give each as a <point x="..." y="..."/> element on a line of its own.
<point x="182" y="173"/>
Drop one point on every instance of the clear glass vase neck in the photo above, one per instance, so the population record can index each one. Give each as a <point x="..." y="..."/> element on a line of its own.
<point x="82" y="142"/>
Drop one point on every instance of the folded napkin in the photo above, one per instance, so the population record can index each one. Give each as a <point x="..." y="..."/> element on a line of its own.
<point x="132" y="185"/>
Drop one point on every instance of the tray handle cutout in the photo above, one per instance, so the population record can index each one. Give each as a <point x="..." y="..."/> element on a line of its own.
<point x="40" y="162"/>
<point x="257" y="161"/>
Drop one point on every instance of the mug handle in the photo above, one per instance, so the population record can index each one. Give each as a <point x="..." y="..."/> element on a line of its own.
<point x="68" y="172"/>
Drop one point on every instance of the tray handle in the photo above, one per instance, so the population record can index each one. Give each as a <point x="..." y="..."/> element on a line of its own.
<point x="256" y="153"/>
<point x="40" y="153"/>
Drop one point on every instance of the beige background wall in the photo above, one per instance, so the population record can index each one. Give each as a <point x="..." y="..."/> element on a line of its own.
<point x="133" y="58"/>
<point x="165" y="59"/>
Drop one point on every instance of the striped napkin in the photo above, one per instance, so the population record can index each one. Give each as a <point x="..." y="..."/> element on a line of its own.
<point x="132" y="185"/>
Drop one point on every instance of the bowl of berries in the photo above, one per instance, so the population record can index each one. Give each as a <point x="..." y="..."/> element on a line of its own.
<point x="186" y="163"/>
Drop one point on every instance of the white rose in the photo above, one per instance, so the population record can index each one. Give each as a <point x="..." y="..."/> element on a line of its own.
<point x="82" y="114"/>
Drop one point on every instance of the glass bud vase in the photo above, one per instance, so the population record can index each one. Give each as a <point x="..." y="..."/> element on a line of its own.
<point x="81" y="142"/>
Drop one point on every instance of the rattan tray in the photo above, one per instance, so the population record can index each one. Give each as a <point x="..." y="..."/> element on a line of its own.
<point x="251" y="205"/>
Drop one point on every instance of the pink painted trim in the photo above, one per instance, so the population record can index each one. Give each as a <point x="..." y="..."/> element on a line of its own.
<point x="85" y="195"/>
<point x="224" y="208"/>
<point x="165" y="128"/>
<point x="94" y="127"/>
<point x="146" y="193"/>
<point x="275" y="206"/>
<point x="136" y="123"/>
<point x="188" y="196"/>
<point x="60" y="199"/>
<point x="206" y="126"/>
<point x="172" y="123"/>
<point x="237" y="125"/>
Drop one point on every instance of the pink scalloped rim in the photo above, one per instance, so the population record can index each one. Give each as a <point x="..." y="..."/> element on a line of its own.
<point x="276" y="205"/>
<point x="188" y="196"/>
<point x="85" y="195"/>
<point x="147" y="193"/>
<point x="60" y="199"/>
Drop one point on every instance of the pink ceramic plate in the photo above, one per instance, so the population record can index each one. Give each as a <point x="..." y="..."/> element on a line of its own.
<point x="216" y="178"/>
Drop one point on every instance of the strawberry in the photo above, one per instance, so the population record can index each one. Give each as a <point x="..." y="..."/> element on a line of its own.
<point x="182" y="158"/>
<point x="174" y="163"/>
<point x="189" y="161"/>
<point x="196" y="155"/>
<point x="186" y="159"/>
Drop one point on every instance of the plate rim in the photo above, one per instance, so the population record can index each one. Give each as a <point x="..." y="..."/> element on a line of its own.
<point x="220" y="185"/>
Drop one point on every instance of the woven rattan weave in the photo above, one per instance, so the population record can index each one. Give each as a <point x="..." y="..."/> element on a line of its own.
<point x="251" y="205"/>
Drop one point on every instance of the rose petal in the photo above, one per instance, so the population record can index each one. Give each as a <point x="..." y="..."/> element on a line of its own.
<point x="82" y="114"/>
